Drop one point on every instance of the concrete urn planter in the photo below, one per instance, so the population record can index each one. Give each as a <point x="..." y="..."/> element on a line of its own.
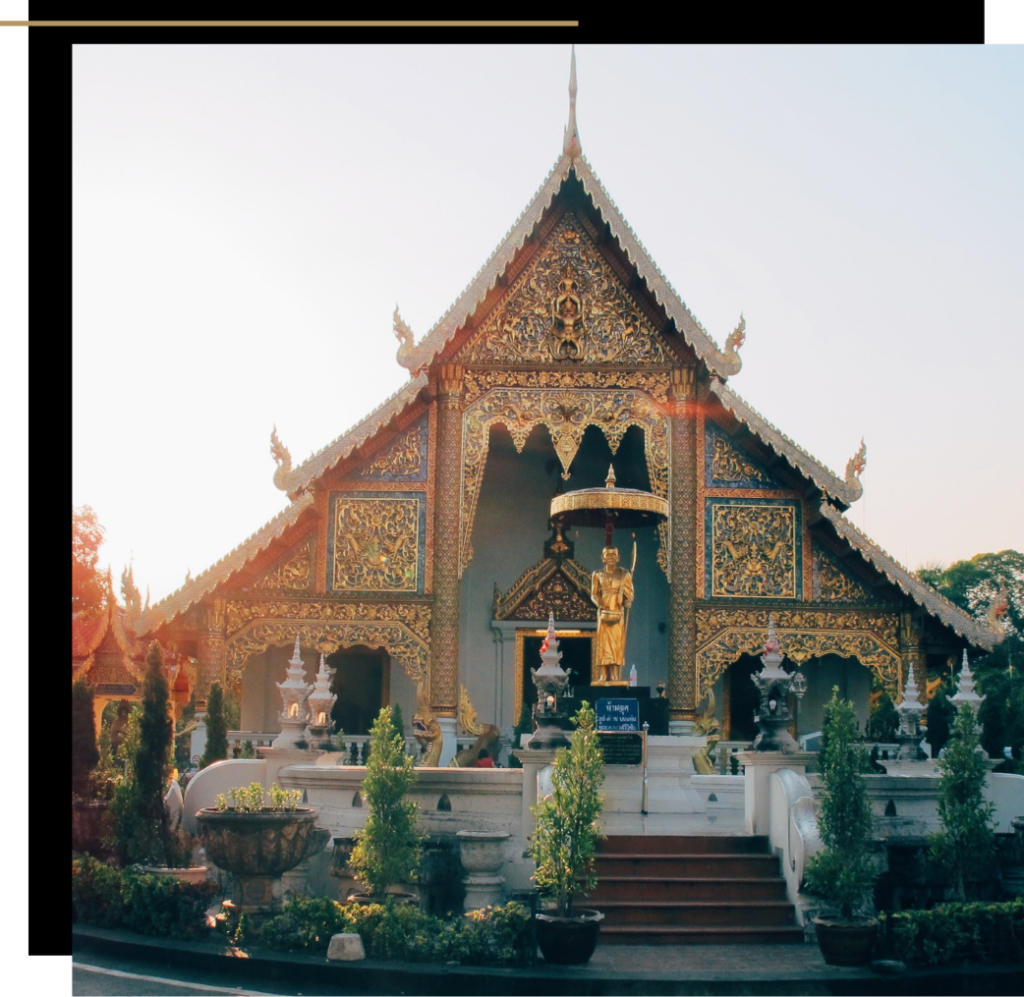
<point x="482" y="855"/>
<point x="257" y="847"/>
<point x="185" y="874"/>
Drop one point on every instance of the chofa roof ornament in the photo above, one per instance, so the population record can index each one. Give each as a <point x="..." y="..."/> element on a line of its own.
<point x="571" y="141"/>
<point x="854" y="469"/>
<point x="406" y="342"/>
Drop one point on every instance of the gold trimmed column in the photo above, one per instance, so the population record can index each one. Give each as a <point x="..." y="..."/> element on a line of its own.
<point x="444" y="628"/>
<point x="682" y="602"/>
<point x="211" y="657"/>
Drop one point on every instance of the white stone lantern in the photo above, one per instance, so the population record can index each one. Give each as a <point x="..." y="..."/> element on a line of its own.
<point x="294" y="694"/>
<point x="321" y="701"/>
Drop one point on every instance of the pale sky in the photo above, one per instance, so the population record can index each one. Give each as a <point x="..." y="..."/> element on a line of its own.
<point x="246" y="217"/>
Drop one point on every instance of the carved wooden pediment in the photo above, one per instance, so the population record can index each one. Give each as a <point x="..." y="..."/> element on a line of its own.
<point x="569" y="305"/>
<point x="558" y="585"/>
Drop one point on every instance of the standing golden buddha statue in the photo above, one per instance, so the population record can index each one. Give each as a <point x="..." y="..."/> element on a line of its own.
<point x="611" y="590"/>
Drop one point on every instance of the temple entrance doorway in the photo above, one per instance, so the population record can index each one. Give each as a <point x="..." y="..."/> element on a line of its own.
<point x="741" y="699"/>
<point x="362" y="685"/>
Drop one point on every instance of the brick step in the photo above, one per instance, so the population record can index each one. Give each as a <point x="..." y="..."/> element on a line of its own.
<point x="640" y="889"/>
<point x="706" y="914"/>
<point x="706" y="866"/>
<point x="722" y="935"/>
<point x="676" y="844"/>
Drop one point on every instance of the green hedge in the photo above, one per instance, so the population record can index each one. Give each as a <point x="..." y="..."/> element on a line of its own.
<point x="492" y="936"/>
<point x="151" y="905"/>
<point x="984" y="932"/>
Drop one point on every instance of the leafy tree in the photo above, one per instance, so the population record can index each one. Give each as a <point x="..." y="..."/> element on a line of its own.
<point x="939" y="716"/>
<point x="966" y="844"/>
<point x="388" y="848"/>
<point x="216" y="727"/>
<point x="397" y="719"/>
<point x="990" y="587"/>
<point x="884" y="720"/>
<point x="88" y="594"/>
<point x="84" y="753"/>
<point x="842" y="872"/>
<point x="567" y="831"/>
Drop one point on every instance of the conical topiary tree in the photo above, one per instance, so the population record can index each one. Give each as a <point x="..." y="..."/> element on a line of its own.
<point x="216" y="727"/>
<point x="567" y="831"/>
<point x="84" y="753"/>
<point x="388" y="847"/>
<point x="842" y="872"/>
<point x="152" y="763"/>
<point x="966" y="844"/>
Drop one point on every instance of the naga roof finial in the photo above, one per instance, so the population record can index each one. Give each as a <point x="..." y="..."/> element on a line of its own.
<point x="854" y="468"/>
<point x="284" y="461"/>
<point x="571" y="142"/>
<point x="406" y="340"/>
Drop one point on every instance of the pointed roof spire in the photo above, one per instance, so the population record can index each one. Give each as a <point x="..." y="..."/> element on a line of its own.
<point x="571" y="142"/>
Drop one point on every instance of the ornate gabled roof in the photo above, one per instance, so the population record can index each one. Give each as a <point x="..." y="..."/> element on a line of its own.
<point x="88" y="634"/>
<point x="337" y="450"/>
<point x="845" y="491"/>
<point x="720" y="363"/>
<point x="975" y="631"/>
<point x="534" y="579"/>
<point x="191" y="592"/>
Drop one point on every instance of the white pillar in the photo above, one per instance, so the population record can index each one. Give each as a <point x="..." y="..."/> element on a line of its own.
<point x="758" y="766"/>
<point x="449" y="745"/>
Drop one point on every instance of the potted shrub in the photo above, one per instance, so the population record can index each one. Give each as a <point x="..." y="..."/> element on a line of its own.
<point x="258" y="842"/>
<point x="388" y="849"/>
<point x="564" y="843"/>
<point x="842" y="873"/>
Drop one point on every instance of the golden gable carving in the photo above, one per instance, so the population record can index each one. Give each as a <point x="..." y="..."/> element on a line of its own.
<point x="567" y="306"/>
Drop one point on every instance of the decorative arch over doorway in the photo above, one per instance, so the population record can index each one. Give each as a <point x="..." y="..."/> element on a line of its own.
<point x="723" y="635"/>
<point x="566" y="414"/>
<point x="401" y="629"/>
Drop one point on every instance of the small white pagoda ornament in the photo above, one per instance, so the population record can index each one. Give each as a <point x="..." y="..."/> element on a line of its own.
<point x="909" y="735"/>
<point x="551" y="718"/>
<point x="773" y="683"/>
<point x="321" y="701"/>
<point x="294" y="694"/>
<point x="965" y="689"/>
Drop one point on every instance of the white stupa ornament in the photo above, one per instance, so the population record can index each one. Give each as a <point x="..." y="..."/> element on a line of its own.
<point x="294" y="694"/>
<point x="911" y="696"/>
<point x="965" y="688"/>
<point x="321" y="699"/>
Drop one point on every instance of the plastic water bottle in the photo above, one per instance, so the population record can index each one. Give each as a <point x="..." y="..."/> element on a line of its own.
<point x="632" y="676"/>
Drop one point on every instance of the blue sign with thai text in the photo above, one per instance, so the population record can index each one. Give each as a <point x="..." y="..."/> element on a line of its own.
<point x="618" y="714"/>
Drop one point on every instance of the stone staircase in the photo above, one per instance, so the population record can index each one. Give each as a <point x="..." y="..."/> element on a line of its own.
<point x="675" y="890"/>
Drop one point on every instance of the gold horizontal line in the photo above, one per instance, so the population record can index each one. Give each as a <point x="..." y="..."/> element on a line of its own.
<point x="289" y="24"/>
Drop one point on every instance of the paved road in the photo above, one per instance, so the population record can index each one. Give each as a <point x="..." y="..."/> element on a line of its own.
<point x="96" y="975"/>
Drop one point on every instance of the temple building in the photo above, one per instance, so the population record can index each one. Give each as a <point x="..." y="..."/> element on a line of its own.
<point x="416" y="550"/>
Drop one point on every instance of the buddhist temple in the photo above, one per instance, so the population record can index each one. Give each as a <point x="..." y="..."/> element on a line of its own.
<point x="417" y="553"/>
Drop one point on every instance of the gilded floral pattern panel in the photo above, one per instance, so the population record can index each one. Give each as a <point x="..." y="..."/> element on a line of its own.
<point x="294" y="571"/>
<point x="403" y="459"/>
<point x="567" y="306"/>
<point x="753" y="548"/>
<point x="376" y="542"/>
<point x="830" y="583"/>
<point x="726" y="466"/>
